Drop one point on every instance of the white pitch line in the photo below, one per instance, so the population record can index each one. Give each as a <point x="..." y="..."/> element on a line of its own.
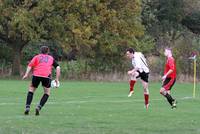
<point x="91" y="101"/>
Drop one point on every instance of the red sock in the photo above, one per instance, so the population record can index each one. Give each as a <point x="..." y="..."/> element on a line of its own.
<point x="132" y="83"/>
<point x="146" y="99"/>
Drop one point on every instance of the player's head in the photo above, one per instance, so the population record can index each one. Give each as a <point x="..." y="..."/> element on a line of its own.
<point x="44" y="49"/>
<point x="130" y="53"/>
<point x="168" y="51"/>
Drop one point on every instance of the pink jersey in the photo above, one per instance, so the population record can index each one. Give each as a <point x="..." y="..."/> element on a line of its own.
<point x="41" y="65"/>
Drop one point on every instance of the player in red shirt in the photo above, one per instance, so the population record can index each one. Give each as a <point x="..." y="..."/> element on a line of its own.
<point x="169" y="77"/>
<point x="41" y="66"/>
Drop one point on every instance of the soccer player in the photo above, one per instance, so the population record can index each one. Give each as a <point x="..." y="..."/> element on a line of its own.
<point x="41" y="65"/>
<point x="169" y="77"/>
<point x="140" y="70"/>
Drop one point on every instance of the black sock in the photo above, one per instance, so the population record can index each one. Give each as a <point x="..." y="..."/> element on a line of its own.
<point x="43" y="100"/>
<point x="29" y="99"/>
<point x="169" y="98"/>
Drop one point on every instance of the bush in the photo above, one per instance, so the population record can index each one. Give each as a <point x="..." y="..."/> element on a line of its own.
<point x="74" y="69"/>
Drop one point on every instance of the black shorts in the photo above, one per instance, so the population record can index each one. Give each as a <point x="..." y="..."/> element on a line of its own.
<point x="168" y="83"/>
<point x="46" y="82"/>
<point x="144" y="76"/>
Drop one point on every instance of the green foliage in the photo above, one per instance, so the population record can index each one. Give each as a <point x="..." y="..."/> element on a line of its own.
<point x="105" y="23"/>
<point x="146" y="44"/>
<point x="165" y="21"/>
<point x="27" y="21"/>
<point x="100" y="30"/>
<point x="33" y="48"/>
<point x="74" y="69"/>
<point x="149" y="10"/>
<point x="85" y="24"/>
<point x="5" y="52"/>
<point x="192" y="22"/>
<point x="5" y="59"/>
<point x="163" y="16"/>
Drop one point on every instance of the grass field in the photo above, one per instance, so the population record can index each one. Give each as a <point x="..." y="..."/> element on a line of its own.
<point x="98" y="108"/>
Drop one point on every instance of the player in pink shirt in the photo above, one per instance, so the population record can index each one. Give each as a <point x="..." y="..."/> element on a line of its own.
<point x="41" y="66"/>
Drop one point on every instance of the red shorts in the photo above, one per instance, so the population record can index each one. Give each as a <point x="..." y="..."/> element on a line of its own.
<point x="168" y="83"/>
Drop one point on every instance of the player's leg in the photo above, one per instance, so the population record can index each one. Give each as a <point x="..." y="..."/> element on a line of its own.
<point x="165" y="91"/>
<point x="46" y="85"/>
<point x="145" y="83"/>
<point x="174" y="102"/>
<point x="33" y="86"/>
<point x="146" y="94"/>
<point x="132" y="82"/>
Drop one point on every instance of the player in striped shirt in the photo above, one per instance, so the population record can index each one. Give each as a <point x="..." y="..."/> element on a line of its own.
<point x="41" y="66"/>
<point x="141" y="71"/>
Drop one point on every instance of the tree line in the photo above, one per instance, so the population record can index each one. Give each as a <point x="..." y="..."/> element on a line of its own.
<point x="92" y="35"/>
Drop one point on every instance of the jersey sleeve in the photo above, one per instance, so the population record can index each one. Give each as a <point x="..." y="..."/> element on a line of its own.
<point x="33" y="62"/>
<point x="55" y="64"/>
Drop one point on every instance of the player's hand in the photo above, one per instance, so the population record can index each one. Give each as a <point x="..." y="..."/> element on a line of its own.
<point x="25" y="76"/>
<point x="57" y="83"/>
<point x="164" y="77"/>
<point x="130" y="72"/>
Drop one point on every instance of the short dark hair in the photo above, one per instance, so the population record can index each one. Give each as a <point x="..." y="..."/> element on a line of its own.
<point x="168" y="48"/>
<point x="44" y="49"/>
<point x="131" y="50"/>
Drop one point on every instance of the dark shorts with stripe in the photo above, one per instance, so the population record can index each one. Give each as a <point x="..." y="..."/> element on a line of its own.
<point x="168" y="83"/>
<point x="46" y="82"/>
<point x="144" y="76"/>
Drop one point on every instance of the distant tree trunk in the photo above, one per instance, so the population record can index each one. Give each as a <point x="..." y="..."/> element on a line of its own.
<point x="16" y="66"/>
<point x="16" y="69"/>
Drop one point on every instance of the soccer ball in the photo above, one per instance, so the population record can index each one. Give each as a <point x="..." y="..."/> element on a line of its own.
<point x="54" y="84"/>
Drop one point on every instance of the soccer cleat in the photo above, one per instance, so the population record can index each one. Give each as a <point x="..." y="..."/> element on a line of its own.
<point x="26" y="112"/>
<point x="37" y="111"/>
<point x="174" y="103"/>
<point x="130" y="93"/>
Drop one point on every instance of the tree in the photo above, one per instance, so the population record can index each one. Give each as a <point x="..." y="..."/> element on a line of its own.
<point x="25" y="21"/>
<point x="192" y="22"/>
<point x="162" y="20"/>
<point x="102" y="29"/>
<point x="192" y="15"/>
<point x="84" y="24"/>
<point x="168" y="22"/>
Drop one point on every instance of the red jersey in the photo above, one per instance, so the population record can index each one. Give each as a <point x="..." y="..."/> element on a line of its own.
<point x="170" y="65"/>
<point x="41" y="65"/>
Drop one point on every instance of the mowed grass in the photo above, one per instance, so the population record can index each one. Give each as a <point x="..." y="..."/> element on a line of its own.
<point x="98" y="108"/>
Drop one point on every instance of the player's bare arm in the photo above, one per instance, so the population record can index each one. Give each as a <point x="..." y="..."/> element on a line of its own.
<point x="57" y="73"/>
<point x="27" y="72"/>
<point x="168" y="73"/>
<point x="132" y="72"/>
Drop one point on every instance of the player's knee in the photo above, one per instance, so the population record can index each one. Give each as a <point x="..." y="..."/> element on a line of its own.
<point x="47" y="91"/>
<point x="162" y="91"/>
<point x="146" y="91"/>
<point x="145" y="85"/>
<point x="32" y="89"/>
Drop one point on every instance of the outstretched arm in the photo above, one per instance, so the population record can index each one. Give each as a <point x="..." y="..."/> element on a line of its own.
<point x="27" y="72"/>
